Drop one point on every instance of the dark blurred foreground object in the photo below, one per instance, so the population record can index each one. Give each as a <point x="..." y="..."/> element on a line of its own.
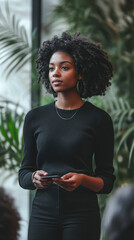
<point x="118" y="219"/>
<point x="9" y="217"/>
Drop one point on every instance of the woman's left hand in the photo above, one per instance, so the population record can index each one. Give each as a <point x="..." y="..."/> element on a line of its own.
<point x="69" y="181"/>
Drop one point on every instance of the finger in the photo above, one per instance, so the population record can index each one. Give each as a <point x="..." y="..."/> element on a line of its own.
<point x="43" y="180"/>
<point x="46" y="183"/>
<point x="36" y="181"/>
<point x="38" y="176"/>
<point x="57" y="180"/>
<point x="42" y="173"/>
<point x="67" y="176"/>
<point x="38" y="185"/>
<point x="68" y="180"/>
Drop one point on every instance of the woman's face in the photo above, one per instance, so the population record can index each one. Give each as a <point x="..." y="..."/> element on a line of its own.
<point x="62" y="73"/>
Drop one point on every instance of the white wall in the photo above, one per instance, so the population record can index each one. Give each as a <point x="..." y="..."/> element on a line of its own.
<point x="17" y="86"/>
<point x="17" y="89"/>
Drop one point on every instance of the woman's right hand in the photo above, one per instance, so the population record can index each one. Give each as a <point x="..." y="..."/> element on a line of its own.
<point x="38" y="181"/>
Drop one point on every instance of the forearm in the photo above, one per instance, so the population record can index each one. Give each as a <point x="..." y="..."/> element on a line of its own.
<point x="93" y="183"/>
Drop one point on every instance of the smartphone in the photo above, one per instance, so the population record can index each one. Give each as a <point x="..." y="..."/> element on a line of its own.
<point x="49" y="177"/>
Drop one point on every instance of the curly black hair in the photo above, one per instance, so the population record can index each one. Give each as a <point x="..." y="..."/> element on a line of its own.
<point x="91" y="62"/>
<point x="9" y="217"/>
<point x="118" y="217"/>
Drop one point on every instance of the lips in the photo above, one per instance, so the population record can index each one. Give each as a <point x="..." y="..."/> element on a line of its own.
<point x="56" y="81"/>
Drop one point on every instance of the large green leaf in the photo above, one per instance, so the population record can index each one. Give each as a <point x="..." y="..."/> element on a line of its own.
<point x="15" y="48"/>
<point x="110" y="23"/>
<point x="11" y="140"/>
<point x="123" y="118"/>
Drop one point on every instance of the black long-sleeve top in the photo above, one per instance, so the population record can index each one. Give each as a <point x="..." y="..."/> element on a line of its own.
<point x="60" y="146"/>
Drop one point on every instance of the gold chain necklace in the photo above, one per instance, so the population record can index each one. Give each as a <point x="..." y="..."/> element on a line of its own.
<point x="69" y="117"/>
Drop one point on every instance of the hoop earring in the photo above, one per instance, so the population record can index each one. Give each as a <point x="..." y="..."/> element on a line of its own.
<point x="77" y="86"/>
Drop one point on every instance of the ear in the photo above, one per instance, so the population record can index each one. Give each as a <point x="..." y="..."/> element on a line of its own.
<point x="79" y="77"/>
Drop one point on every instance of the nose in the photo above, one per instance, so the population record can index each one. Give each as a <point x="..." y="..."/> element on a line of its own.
<point x="56" y="72"/>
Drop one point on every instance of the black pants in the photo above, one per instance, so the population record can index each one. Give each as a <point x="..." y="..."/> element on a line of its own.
<point x="58" y="214"/>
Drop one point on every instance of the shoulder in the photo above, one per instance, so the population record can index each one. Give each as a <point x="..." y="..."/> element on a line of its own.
<point x="37" y="112"/>
<point x="99" y="115"/>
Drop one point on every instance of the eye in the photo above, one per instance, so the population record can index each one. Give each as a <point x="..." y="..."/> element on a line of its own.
<point x="65" y="67"/>
<point x="51" y="69"/>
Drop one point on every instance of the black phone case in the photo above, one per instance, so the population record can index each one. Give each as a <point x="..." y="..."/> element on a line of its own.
<point x="50" y="177"/>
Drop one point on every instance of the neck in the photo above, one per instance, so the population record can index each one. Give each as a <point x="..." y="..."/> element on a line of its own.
<point x="69" y="100"/>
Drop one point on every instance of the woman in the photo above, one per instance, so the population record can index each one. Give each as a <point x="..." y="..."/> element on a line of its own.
<point x="62" y="137"/>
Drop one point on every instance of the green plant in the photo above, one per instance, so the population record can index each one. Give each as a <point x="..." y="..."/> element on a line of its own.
<point x="11" y="142"/>
<point x="14" y="45"/>
<point x="122" y="114"/>
<point x="123" y="117"/>
<point x="16" y="51"/>
<point x="108" y="22"/>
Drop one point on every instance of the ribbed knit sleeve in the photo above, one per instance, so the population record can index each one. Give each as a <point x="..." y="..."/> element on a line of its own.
<point x="28" y="165"/>
<point x="104" y="151"/>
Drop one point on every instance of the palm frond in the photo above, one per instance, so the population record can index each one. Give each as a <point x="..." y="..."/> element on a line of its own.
<point x="131" y="154"/>
<point x="11" y="141"/>
<point x="125" y="137"/>
<point x="14" y="46"/>
<point x="123" y="117"/>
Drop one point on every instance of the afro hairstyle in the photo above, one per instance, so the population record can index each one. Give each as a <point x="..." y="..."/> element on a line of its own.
<point x="90" y="61"/>
<point x="9" y="217"/>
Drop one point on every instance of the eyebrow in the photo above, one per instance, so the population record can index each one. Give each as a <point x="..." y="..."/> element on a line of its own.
<point x="62" y="62"/>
